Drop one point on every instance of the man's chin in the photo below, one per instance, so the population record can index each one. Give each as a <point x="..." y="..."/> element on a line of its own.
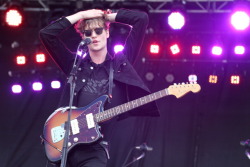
<point x="96" y="49"/>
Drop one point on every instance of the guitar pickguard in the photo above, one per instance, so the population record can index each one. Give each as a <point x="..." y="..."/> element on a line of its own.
<point x="84" y="128"/>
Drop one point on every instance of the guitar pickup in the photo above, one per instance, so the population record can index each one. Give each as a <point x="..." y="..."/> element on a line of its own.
<point x="74" y="126"/>
<point x="90" y="120"/>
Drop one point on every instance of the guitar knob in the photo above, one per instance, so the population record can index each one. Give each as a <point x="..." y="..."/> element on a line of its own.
<point x="75" y="139"/>
<point x="69" y="144"/>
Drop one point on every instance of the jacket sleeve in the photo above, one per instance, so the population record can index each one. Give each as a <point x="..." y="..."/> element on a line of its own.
<point x="138" y="22"/>
<point x="50" y="37"/>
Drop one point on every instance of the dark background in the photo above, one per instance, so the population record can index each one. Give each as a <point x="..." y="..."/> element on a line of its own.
<point x="197" y="130"/>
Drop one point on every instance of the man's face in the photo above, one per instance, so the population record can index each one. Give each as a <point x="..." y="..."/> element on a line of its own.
<point x="98" y="35"/>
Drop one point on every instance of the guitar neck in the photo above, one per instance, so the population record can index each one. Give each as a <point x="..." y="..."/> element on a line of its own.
<point x="107" y="114"/>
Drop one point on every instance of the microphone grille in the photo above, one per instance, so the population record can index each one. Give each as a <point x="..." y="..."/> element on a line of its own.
<point x="88" y="40"/>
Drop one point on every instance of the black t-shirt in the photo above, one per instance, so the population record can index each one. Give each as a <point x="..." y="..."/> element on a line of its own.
<point x="98" y="84"/>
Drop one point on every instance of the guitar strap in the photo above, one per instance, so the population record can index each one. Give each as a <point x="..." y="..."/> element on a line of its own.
<point x="111" y="77"/>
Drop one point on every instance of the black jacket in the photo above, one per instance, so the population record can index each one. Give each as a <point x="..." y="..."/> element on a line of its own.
<point x="123" y="69"/>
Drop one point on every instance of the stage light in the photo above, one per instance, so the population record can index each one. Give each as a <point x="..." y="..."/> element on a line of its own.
<point x="13" y="18"/>
<point x="20" y="60"/>
<point x="217" y="50"/>
<point x="55" y="84"/>
<point x="175" y="49"/>
<point x="149" y="76"/>
<point x="196" y="50"/>
<point x="213" y="79"/>
<point x="169" y="78"/>
<point x="37" y="86"/>
<point x="240" y="20"/>
<point x="192" y="78"/>
<point x="239" y="50"/>
<point x="40" y="58"/>
<point x="176" y="20"/>
<point x="80" y="52"/>
<point x="14" y="14"/>
<point x="235" y="79"/>
<point x="118" y="48"/>
<point x="154" y="48"/>
<point x="16" y="88"/>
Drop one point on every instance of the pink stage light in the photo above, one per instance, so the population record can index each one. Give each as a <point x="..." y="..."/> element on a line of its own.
<point x="217" y="50"/>
<point x="175" y="49"/>
<point x="176" y="20"/>
<point x="239" y="50"/>
<point x="118" y="48"/>
<point x="154" y="48"/>
<point x="16" y="88"/>
<point x="37" y="86"/>
<point x="13" y="18"/>
<point x="40" y="58"/>
<point x="240" y="20"/>
<point x="20" y="60"/>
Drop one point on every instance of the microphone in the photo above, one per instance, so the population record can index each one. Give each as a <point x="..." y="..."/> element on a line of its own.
<point x="144" y="147"/>
<point x="85" y="42"/>
<point x="245" y="143"/>
<point x="82" y="47"/>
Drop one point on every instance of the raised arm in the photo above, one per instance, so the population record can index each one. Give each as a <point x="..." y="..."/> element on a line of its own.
<point x="138" y="21"/>
<point x="50" y="37"/>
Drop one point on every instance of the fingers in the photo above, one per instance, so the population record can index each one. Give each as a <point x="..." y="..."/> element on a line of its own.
<point x="106" y="13"/>
<point x="95" y="13"/>
<point x="92" y="13"/>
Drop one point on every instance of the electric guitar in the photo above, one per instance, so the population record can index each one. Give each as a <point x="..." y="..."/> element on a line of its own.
<point x="84" y="126"/>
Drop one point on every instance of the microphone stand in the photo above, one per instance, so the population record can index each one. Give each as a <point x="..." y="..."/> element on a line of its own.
<point x="134" y="158"/>
<point x="72" y="82"/>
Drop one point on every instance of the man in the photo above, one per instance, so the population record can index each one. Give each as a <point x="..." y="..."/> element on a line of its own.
<point x="94" y="75"/>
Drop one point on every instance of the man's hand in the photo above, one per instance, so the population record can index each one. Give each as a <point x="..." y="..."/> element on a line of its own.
<point x="109" y="16"/>
<point x="86" y="14"/>
<point x="92" y="13"/>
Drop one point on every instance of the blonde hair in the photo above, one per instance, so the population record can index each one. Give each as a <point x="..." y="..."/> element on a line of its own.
<point x="82" y="24"/>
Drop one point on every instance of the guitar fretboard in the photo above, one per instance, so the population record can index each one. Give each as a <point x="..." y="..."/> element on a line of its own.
<point x="107" y="114"/>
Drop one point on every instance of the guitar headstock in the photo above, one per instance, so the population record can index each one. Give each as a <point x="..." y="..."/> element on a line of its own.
<point x="180" y="90"/>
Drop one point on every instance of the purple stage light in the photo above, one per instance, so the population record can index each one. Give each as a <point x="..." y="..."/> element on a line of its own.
<point x="240" y="20"/>
<point x="217" y="50"/>
<point x="239" y="50"/>
<point x="55" y="84"/>
<point x="16" y="88"/>
<point x="196" y="49"/>
<point x="80" y="52"/>
<point x="118" y="48"/>
<point x="37" y="86"/>
<point x="192" y="78"/>
<point x="176" y="20"/>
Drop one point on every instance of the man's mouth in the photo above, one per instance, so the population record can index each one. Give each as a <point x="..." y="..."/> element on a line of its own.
<point x="95" y="41"/>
